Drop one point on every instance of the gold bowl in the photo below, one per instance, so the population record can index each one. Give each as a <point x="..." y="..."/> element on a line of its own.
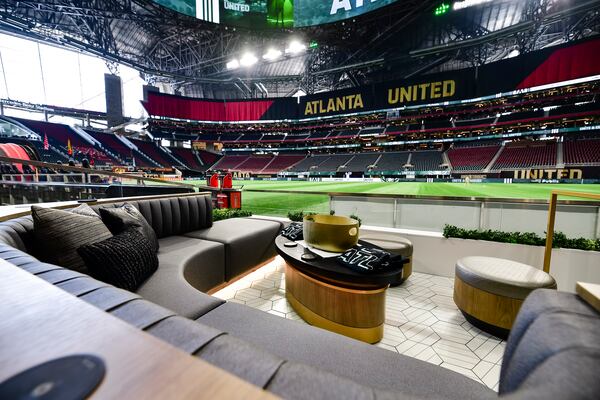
<point x="330" y="232"/>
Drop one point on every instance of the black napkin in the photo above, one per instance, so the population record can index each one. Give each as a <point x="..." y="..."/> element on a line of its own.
<point x="293" y="231"/>
<point x="369" y="259"/>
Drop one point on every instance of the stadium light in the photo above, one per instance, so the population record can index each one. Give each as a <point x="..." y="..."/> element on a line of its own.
<point x="272" y="54"/>
<point x="459" y="5"/>
<point x="248" y="60"/>
<point x="233" y="64"/>
<point x="295" y="47"/>
<point x="514" y="53"/>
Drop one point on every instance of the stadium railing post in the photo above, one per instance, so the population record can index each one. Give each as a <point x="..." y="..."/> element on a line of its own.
<point x="552" y="218"/>
<point x="550" y="231"/>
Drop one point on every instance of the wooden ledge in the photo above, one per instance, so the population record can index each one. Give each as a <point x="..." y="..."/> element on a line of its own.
<point x="590" y="292"/>
<point x="40" y="322"/>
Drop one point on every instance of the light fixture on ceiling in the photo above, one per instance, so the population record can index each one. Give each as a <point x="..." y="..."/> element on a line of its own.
<point x="295" y="47"/>
<point x="272" y="54"/>
<point x="233" y="64"/>
<point x="248" y="60"/>
<point x="459" y="5"/>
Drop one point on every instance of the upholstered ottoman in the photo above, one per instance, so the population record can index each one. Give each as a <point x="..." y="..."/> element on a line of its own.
<point x="489" y="291"/>
<point x="394" y="244"/>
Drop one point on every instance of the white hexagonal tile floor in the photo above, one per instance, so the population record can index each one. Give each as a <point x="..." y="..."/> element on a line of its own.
<point x="422" y="321"/>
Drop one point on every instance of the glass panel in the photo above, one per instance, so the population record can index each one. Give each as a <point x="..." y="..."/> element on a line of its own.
<point x="371" y="210"/>
<point x="279" y="204"/>
<point x="432" y="215"/>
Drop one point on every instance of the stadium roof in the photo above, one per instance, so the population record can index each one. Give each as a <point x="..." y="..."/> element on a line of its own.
<point x="401" y="40"/>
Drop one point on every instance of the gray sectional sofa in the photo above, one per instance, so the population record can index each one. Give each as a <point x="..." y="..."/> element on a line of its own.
<point x="553" y="351"/>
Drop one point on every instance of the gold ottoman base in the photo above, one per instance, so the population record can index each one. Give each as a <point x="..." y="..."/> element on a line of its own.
<point x="355" y="312"/>
<point x="492" y="309"/>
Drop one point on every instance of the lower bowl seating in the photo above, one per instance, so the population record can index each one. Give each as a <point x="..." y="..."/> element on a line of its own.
<point x="490" y="291"/>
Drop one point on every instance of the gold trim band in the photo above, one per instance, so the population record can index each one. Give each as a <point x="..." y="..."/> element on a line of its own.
<point x="369" y="335"/>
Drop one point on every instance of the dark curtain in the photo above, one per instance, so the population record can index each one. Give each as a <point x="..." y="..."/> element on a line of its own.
<point x="205" y="110"/>
<point x="564" y="64"/>
<point x="246" y="110"/>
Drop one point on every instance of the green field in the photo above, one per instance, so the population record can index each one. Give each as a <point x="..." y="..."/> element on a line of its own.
<point x="279" y="204"/>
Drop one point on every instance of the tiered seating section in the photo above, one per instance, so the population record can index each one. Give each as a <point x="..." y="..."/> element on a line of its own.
<point x="60" y="135"/>
<point x="582" y="152"/>
<point x="333" y="162"/>
<point x="155" y="153"/>
<point x="112" y="143"/>
<point x="230" y="162"/>
<point x="254" y="164"/>
<point x="426" y="161"/>
<point x="188" y="157"/>
<point x="392" y="161"/>
<point x="472" y="158"/>
<point x="537" y="154"/>
<point x="282" y="163"/>
<point x="361" y="162"/>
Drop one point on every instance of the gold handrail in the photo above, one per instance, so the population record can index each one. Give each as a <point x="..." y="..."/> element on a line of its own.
<point x="552" y="219"/>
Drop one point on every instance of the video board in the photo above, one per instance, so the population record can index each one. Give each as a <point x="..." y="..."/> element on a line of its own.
<point x="318" y="12"/>
<point x="261" y="14"/>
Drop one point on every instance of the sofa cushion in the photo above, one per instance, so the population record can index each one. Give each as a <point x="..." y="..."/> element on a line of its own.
<point x="202" y="261"/>
<point x="248" y="242"/>
<point x="174" y="215"/>
<point x="549" y="335"/>
<point x="186" y="268"/>
<point x="127" y="216"/>
<point x="541" y="302"/>
<point x="242" y="359"/>
<point x="184" y="333"/>
<point x="82" y="285"/>
<point x="60" y="233"/>
<point x="141" y="313"/>
<point x="301" y="382"/>
<point x="56" y="276"/>
<point x="568" y="374"/>
<point x="108" y="298"/>
<point x="124" y="260"/>
<point x="18" y="233"/>
<point x="342" y="356"/>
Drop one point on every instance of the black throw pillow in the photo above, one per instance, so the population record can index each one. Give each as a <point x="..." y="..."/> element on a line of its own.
<point x="127" y="216"/>
<point x="60" y="233"/>
<point x="125" y="260"/>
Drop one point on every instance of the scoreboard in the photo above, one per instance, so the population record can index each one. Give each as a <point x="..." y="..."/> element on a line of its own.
<point x="273" y="13"/>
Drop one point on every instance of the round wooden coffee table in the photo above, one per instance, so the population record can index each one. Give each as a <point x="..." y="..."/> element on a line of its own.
<point x="333" y="297"/>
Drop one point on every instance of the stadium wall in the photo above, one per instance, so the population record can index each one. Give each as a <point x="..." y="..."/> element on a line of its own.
<point x="543" y="67"/>
<point x="568" y="265"/>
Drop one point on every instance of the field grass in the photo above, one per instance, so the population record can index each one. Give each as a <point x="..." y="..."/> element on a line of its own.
<point x="278" y="204"/>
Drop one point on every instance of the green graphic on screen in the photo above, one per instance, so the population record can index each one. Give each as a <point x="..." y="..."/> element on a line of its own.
<point x="261" y="14"/>
<point x="280" y="13"/>
<point x="187" y="7"/>
<point x="258" y="14"/>
<point x="317" y="12"/>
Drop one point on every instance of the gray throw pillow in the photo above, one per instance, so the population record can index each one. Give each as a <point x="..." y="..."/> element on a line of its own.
<point x="125" y="217"/>
<point x="60" y="233"/>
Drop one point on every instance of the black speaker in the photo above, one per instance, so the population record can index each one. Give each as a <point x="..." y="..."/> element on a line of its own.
<point x="68" y="378"/>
